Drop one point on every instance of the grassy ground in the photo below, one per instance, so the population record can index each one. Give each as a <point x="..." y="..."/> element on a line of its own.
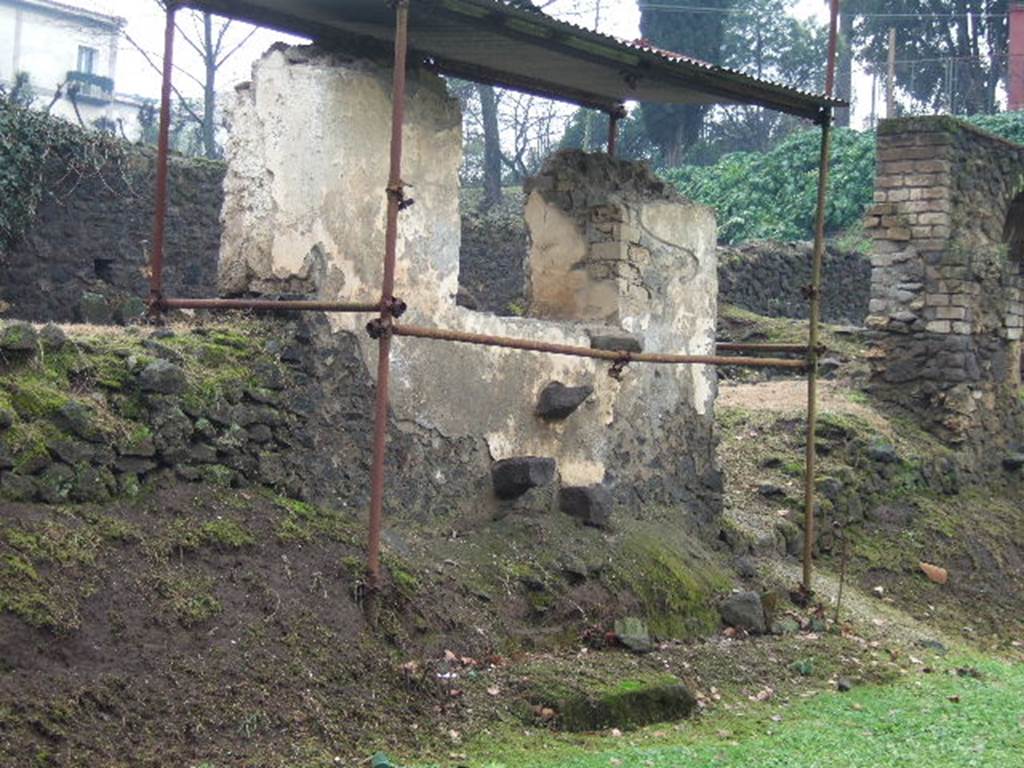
<point x="966" y="712"/>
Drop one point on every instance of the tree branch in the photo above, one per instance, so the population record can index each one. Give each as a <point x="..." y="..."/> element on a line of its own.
<point x="153" y="64"/>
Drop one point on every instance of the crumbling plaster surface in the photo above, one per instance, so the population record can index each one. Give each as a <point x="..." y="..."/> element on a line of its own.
<point x="305" y="212"/>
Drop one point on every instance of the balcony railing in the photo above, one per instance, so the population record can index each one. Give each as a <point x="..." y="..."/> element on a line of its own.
<point x="91" y="86"/>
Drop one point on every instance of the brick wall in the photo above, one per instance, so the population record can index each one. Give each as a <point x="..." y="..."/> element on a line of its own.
<point x="946" y="287"/>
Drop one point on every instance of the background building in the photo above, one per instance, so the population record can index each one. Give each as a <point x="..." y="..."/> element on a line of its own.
<point x="70" y="57"/>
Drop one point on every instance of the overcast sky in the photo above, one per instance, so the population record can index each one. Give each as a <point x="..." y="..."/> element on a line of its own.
<point x="145" y="25"/>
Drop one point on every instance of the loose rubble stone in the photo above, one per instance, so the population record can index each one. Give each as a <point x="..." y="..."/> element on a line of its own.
<point x="883" y="453"/>
<point x="1014" y="462"/>
<point x="162" y="377"/>
<point x="514" y="477"/>
<point x="744" y="610"/>
<point x="17" y="487"/>
<point x="18" y="337"/>
<point x="558" y="401"/>
<point x="592" y="505"/>
<point x="785" y="626"/>
<point x="771" y="491"/>
<point x="746" y="568"/>
<point x="633" y="633"/>
<point x="53" y="337"/>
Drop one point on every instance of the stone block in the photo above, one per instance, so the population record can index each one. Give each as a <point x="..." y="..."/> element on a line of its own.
<point x="558" y="401"/>
<point x="591" y="504"/>
<point x="162" y="377"/>
<point x="514" y="477"/>
<point x="938" y="326"/>
<point x="615" y="342"/>
<point x="744" y="610"/>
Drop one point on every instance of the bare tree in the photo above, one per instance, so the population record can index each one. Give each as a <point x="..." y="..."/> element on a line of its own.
<point x="213" y="39"/>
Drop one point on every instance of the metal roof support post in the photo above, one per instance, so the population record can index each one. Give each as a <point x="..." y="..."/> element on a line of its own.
<point x="382" y="328"/>
<point x="156" y="256"/>
<point x="613" y="133"/>
<point x="813" y="352"/>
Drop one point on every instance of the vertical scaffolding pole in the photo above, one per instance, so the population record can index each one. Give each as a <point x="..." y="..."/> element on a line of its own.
<point x="396" y="202"/>
<point x="156" y="254"/>
<point x="814" y="295"/>
<point x="812" y="354"/>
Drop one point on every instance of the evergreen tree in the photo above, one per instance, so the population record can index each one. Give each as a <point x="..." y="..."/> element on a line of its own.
<point x="675" y="26"/>
<point x="952" y="53"/>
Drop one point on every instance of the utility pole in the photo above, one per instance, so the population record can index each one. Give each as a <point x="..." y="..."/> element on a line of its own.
<point x="1015" y="70"/>
<point x="874" y="100"/>
<point x="890" y="89"/>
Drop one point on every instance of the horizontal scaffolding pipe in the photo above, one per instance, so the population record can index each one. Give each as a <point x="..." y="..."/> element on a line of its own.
<point x="613" y="356"/>
<point x="268" y="305"/>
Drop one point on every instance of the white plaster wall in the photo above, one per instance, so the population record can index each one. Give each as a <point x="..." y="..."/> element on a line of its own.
<point x="305" y="201"/>
<point x="8" y="31"/>
<point x="49" y="46"/>
<point x="45" y="45"/>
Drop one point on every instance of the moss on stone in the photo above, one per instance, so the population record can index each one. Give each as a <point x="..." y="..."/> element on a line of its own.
<point x="590" y="703"/>
<point x="676" y="588"/>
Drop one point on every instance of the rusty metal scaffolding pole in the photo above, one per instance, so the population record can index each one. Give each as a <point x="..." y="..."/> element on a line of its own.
<point x="156" y="253"/>
<point x="814" y="295"/>
<point x="813" y="351"/>
<point x="396" y="203"/>
<point x="613" y="356"/>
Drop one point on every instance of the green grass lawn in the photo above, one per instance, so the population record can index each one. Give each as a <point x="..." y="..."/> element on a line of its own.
<point x="940" y="719"/>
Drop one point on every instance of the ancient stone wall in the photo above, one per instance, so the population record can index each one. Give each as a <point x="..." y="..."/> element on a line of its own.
<point x="308" y="216"/>
<point x="946" y="303"/>
<point x="85" y="259"/>
<point x="769" y="278"/>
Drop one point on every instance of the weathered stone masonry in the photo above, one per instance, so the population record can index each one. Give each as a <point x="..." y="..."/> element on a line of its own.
<point x="85" y="258"/>
<point x="308" y="218"/>
<point x="946" y="302"/>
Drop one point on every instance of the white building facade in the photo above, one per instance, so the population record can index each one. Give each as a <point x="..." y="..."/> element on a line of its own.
<point x="70" y="49"/>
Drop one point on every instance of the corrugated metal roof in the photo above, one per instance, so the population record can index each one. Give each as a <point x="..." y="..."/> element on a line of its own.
<point x="513" y="44"/>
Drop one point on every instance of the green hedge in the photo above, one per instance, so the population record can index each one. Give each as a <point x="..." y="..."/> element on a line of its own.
<point x="773" y="195"/>
<point x="30" y="143"/>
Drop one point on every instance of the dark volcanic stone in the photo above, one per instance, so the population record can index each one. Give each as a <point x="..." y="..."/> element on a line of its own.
<point x="616" y="342"/>
<point x="75" y="418"/>
<point x="514" y="477"/>
<point x="558" y="401"/>
<point x="17" y="487"/>
<point x="162" y="377"/>
<point x="53" y="337"/>
<point x="18" y="337"/>
<point x="883" y="453"/>
<point x="592" y="505"/>
<point x="744" y="611"/>
<point x="771" y="491"/>
<point x="1014" y="462"/>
